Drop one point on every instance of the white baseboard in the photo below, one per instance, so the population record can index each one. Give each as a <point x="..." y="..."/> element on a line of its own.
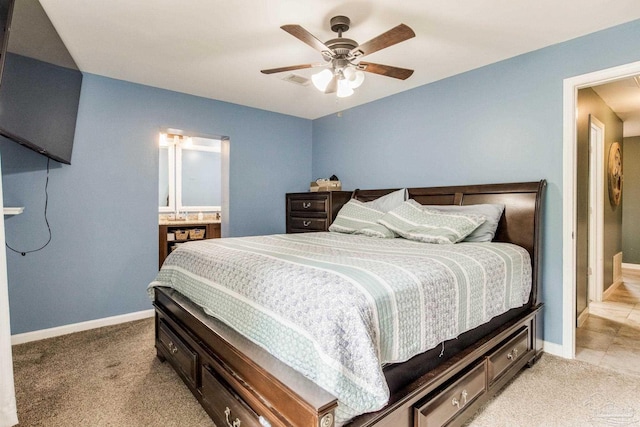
<point x="583" y="317"/>
<point x="78" y="327"/>
<point x="627" y="266"/>
<point x="611" y="289"/>
<point x="554" y="349"/>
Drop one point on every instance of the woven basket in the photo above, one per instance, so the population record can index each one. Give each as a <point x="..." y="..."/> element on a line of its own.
<point x="196" y="233"/>
<point x="182" y="234"/>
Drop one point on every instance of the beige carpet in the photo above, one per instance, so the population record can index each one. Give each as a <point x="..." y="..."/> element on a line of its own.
<point x="560" y="392"/>
<point x="111" y="377"/>
<point x="104" y="377"/>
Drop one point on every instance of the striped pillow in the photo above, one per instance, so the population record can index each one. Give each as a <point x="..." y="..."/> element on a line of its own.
<point x="484" y="233"/>
<point x="356" y="217"/>
<point x="412" y="221"/>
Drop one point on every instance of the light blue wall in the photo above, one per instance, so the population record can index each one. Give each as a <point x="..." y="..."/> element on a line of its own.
<point x="103" y="208"/>
<point x="499" y="123"/>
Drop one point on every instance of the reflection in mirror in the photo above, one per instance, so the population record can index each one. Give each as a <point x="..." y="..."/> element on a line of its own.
<point x="199" y="170"/>
<point x="199" y="174"/>
<point x="190" y="173"/>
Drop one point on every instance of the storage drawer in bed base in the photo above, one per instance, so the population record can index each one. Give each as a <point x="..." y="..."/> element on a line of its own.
<point x="462" y="380"/>
<point x="219" y="390"/>
<point x="231" y="386"/>
<point x="508" y="354"/>
<point x="452" y="403"/>
<point x="221" y="381"/>
<point x="177" y="352"/>
<point x="438" y="410"/>
<point x="223" y="405"/>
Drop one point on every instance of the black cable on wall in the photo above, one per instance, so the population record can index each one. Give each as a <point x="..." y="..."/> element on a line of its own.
<point x="46" y="220"/>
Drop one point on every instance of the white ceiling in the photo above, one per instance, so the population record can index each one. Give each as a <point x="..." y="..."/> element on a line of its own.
<point x="623" y="97"/>
<point x="216" y="49"/>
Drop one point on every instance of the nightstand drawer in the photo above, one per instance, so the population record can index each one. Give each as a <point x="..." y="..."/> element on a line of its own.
<point x="309" y="205"/>
<point x="311" y="212"/>
<point x="308" y="224"/>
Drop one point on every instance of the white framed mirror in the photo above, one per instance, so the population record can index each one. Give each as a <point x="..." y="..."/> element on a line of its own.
<point x="190" y="173"/>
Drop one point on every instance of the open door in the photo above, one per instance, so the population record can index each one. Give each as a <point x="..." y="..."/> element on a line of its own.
<point x="596" y="214"/>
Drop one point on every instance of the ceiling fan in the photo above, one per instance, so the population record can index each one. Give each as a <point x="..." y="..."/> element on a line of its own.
<point x="342" y="56"/>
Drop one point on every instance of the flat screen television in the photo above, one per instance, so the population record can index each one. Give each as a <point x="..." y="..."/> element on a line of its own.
<point x="39" y="82"/>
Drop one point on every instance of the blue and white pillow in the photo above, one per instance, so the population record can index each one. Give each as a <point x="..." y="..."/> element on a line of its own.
<point x="356" y="217"/>
<point x="412" y="221"/>
<point x="487" y="230"/>
<point x="389" y="201"/>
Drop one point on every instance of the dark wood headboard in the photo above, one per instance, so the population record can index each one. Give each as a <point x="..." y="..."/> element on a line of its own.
<point x="520" y="223"/>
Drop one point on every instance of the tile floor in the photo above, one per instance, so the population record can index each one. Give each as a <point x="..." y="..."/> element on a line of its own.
<point x="610" y="337"/>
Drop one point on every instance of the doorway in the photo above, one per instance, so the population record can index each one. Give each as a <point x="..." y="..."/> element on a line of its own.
<point x="570" y="114"/>
<point x="193" y="176"/>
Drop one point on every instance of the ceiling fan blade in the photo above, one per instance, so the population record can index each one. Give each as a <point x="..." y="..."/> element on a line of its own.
<point x="385" y="70"/>
<point x="303" y="35"/>
<point x="332" y="87"/>
<point x="394" y="36"/>
<point x="290" y="68"/>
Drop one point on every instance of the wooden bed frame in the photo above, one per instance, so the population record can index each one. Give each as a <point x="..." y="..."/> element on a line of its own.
<point x="239" y="384"/>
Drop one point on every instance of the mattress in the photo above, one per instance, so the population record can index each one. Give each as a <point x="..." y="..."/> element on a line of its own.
<point x="338" y="307"/>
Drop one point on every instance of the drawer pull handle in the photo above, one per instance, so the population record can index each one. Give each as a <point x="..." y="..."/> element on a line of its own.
<point x="263" y="421"/>
<point x="306" y="223"/>
<point x="306" y="205"/>
<point x="463" y="397"/>
<point x="172" y="348"/>
<point x="326" y="420"/>
<point x="235" y="423"/>
<point x="513" y="354"/>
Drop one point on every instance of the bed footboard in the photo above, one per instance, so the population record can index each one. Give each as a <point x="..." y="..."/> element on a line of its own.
<point x="235" y="381"/>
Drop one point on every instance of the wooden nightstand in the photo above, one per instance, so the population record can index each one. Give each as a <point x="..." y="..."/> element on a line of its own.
<point x="308" y="212"/>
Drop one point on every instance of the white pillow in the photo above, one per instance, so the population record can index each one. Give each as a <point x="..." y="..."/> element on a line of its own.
<point x="412" y="221"/>
<point x="356" y="217"/>
<point x="487" y="230"/>
<point x="389" y="201"/>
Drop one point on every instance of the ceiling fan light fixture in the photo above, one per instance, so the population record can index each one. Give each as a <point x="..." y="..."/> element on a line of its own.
<point x="344" y="88"/>
<point x="343" y="74"/>
<point x="321" y="80"/>
<point x="354" y="77"/>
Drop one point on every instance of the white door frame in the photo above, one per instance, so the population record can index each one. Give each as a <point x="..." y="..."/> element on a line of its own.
<point x="570" y="114"/>
<point x="596" y="206"/>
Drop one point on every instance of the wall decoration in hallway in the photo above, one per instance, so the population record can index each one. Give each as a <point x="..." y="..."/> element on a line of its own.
<point x="614" y="173"/>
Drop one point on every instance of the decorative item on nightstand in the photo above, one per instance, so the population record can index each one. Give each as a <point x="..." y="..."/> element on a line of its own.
<point x="324" y="184"/>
